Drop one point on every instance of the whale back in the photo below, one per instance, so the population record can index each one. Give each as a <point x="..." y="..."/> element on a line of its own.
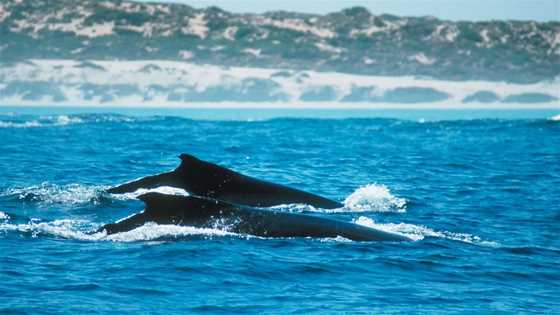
<point x="210" y="180"/>
<point x="170" y="209"/>
<point x="163" y="208"/>
<point x="211" y="213"/>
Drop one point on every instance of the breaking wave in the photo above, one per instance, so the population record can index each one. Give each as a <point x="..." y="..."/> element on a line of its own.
<point x="419" y="232"/>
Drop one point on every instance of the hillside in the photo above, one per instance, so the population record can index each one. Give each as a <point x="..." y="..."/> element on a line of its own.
<point x="351" y="41"/>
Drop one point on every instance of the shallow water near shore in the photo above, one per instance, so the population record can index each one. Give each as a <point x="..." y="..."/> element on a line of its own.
<point x="475" y="190"/>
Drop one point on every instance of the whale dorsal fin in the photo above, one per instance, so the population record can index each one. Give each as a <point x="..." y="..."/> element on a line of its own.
<point x="202" y="177"/>
<point x="187" y="159"/>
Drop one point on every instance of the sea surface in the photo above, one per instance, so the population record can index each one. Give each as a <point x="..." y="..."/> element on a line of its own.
<point x="478" y="192"/>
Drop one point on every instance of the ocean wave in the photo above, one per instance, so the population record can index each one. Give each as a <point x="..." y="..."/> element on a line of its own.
<point x="373" y="197"/>
<point x="24" y="124"/>
<point x="419" y="232"/>
<point x="43" y="121"/>
<point x="64" y="120"/>
<point x="26" y="121"/>
<point x="47" y="193"/>
<point x="14" y="120"/>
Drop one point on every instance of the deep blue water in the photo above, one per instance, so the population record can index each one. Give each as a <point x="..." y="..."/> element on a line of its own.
<point x="478" y="191"/>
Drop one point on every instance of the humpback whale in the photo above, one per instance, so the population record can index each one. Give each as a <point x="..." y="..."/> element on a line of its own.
<point x="207" y="213"/>
<point x="205" y="179"/>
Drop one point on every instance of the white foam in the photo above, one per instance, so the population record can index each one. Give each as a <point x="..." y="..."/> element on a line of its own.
<point x="4" y="216"/>
<point x="369" y="198"/>
<point x="74" y="229"/>
<point x="25" y="124"/>
<point x="46" y="121"/>
<point x="295" y="207"/>
<point x="374" y="197"/>
<point x="77" y="194"/>
<point x="73" y="194"/>
<point x="419" y="232"/>
<point x="167" y="190"/>
<point x="152" y="231"/>
<point x="555" y="118"/>
<point x="62" y="228"/>
<point x="64" y="120"/>
<point x="338" y="239"/>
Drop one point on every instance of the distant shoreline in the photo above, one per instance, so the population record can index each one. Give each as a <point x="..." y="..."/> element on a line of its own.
<point x="166" y="84"/>
<point x="63" y="115"/>
<point x="299" y="105"/>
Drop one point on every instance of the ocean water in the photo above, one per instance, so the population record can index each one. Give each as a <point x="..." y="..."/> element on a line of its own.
<point x="477" y="191"/>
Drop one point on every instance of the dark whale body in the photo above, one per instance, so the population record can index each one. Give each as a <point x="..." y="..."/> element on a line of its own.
<point x="209" y="180"/>
<point x="207" y="213"/>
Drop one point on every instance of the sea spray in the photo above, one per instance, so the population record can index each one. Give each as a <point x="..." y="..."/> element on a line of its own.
<point x="376" y="198"/>
<point x="48" y="193"/>
<point x="419" y="232"/>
